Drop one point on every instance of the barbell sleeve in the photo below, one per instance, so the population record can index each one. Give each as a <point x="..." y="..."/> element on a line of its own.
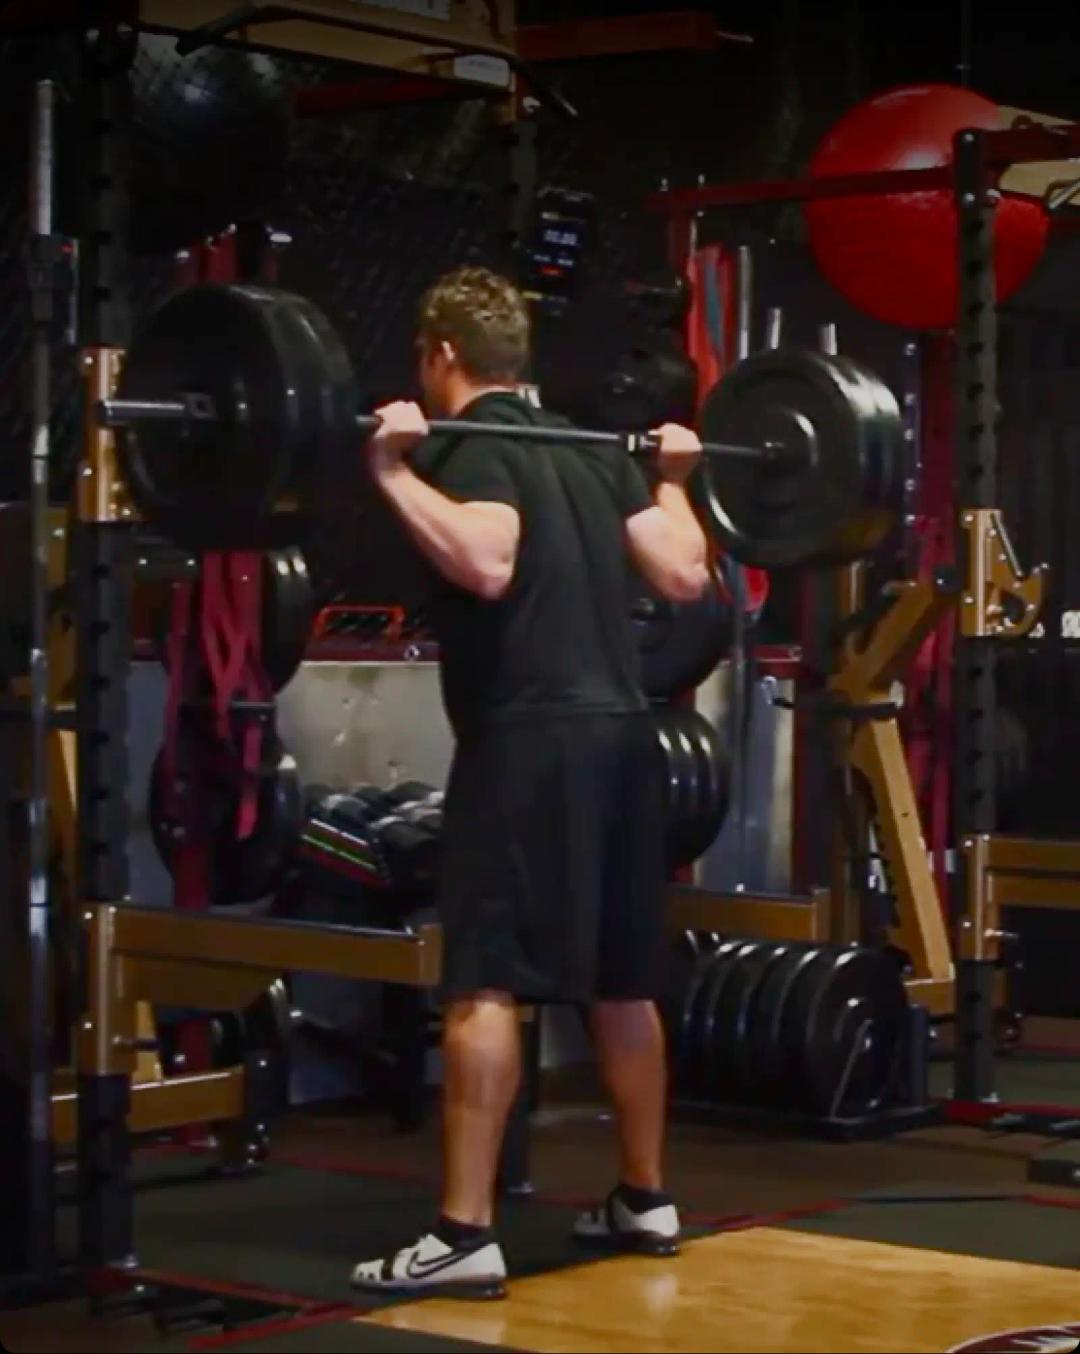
<point x="115" y="413"/>
<point x="123" y="413"/>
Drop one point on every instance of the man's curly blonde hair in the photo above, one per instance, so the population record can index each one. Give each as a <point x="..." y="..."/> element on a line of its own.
<point x="484" y="317"/>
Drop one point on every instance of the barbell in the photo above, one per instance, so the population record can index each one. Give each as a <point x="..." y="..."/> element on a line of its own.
<point x="236" y="415"/>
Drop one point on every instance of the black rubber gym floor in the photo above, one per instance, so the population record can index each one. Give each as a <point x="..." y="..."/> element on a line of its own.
<point x="1029" y="1229"/>
<point x="292" y="1233"/>
<point x="1028" y="1078"/>
<point x="296" y="1233"/>
<point x="337" y="1335"/>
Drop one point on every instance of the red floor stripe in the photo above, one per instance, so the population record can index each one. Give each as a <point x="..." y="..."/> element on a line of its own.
<point x="1045" y="1201"/>
<point x="746" y="1221"/>
<point x="979" y="1113"/>
<point x="262" y="1329"/>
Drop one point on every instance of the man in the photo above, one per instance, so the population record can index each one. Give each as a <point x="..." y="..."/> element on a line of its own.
<point x="553" y="874"/>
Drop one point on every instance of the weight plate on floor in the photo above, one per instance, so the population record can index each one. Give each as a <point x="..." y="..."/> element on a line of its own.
<point x="681" y="957"/>
<point x="853" y="1033"/>
<point x="687" y="1060"/>
<point x="768" y="1063"/>
<point x="844" y="430"/>
<point x="687" y="1005"/>
<point x="722" y="1029"/>
<point x="734" y="1071"/>
<point x="793" y="1016"/>
<point x="700" y="1025"/>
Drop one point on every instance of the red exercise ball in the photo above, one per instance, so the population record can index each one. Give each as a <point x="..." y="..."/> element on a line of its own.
<point x="894" y="255"/>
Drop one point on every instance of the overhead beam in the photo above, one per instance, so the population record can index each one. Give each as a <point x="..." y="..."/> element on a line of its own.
<point x="686" y="30"/>
<point x="379" y="35"/>
<point x="537" y="44"/>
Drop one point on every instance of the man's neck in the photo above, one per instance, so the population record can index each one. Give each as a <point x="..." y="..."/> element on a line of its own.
<point x="462" y="397"/>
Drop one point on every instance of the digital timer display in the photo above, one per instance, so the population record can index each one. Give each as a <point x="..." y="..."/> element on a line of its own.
<point x="563" y="230"/>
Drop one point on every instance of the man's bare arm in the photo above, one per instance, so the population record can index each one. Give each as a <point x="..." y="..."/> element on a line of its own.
<point x="473" y="545"/>
<point x="666" y="541"/>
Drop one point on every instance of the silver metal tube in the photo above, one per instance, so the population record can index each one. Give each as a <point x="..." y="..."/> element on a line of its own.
<point x="39" y="1127"/>
<point x="744" y="302"/>
<point x="827" y="339"/>
<point x="774" y="328"/>
<point x="121" y="413"/>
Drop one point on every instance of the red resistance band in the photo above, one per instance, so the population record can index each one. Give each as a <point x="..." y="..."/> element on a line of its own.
<point x="216" y="632"/>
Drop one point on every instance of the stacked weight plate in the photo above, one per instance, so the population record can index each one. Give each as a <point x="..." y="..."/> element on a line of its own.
<point x="808" y="1029"/>
<point x="206" y="803"/>
<point x="698" y="782"/>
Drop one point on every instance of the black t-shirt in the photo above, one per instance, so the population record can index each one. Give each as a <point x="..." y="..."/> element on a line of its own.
<point x="560" y="641"/>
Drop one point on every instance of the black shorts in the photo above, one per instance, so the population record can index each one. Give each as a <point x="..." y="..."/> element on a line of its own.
<point x="553" y="878"/>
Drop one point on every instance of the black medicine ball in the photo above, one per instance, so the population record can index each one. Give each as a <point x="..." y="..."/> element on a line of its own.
<point x="210" y="140"/>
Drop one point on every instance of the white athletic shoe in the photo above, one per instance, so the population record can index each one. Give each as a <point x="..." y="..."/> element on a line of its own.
<point x="615" y="1226"/>
<point x="431" y="1266"/>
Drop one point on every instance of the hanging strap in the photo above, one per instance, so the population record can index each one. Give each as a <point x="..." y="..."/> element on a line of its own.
<point x="231" y="634"/>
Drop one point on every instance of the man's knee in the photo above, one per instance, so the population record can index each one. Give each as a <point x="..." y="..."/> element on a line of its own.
<point x="629" y="1021"/>
<point x="481" y="1025"/>
<point x="487" y="1005"/>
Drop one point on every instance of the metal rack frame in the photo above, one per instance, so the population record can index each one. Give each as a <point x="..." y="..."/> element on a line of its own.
<point x="985" y="564"/>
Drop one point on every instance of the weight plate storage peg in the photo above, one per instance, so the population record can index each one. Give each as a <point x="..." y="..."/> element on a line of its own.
<point x="839" y="433"/>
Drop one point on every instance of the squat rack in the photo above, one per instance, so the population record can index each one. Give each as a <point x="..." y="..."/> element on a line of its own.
<point x="135" y="955"/>
<point x="991" y="872"/>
